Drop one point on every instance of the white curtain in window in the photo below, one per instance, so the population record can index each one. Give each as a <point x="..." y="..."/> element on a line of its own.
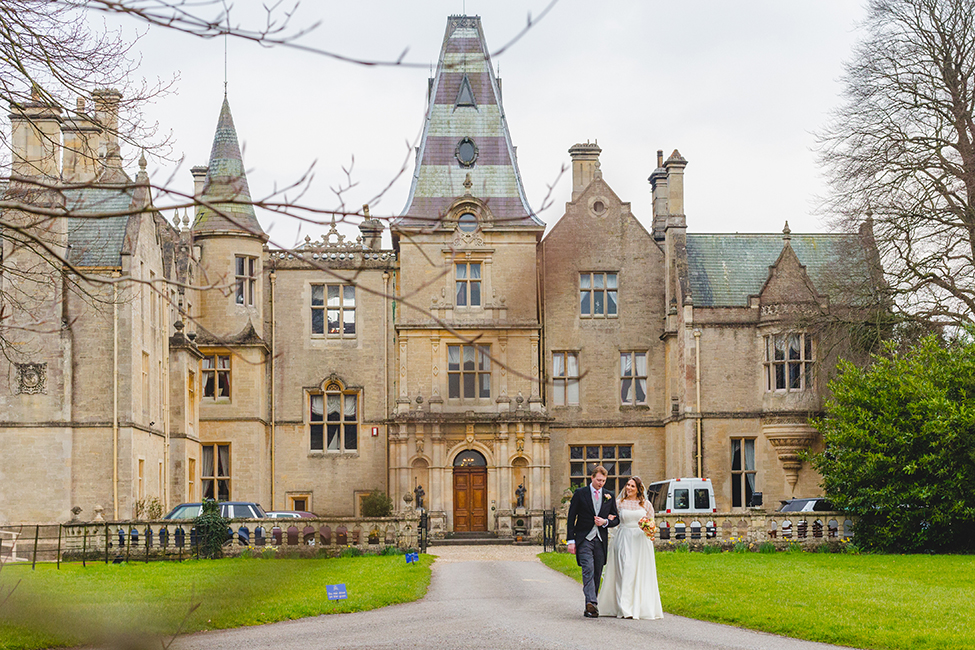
<point x="641" y="365"/>
<point x="334" y="404"/>
<point x="350" y="408"/>
<point x="453" y="357"/>
<point x="749" y="454"/>
<point x="572" y="366"/>
<point x="475" y="271"/>
<point x="558" y="365"/>
<point x="207" y="469"/>
<point x="626" y="365"/>
<point x="316" y="407"/>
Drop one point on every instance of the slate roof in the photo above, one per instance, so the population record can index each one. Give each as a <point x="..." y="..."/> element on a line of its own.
<point x="464" y="70"/>
<point x="226" y="181"/>
<point x="97" y="240"/>
<point x="725" y="269"/>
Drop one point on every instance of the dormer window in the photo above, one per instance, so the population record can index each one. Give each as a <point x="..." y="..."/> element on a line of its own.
<point x="465" y="95"/>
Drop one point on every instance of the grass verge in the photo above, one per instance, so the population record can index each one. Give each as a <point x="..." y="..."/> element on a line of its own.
<point x="93" y="605"/>
<point x="888" y="602"/>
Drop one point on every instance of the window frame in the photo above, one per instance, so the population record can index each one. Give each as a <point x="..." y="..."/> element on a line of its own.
<point x="321" y="309"/>
<point x="634" y="378"/>
<point x="564" y="380"/>
<point x="468" y="284"/>
<point x="216" y="371"/>
<point x="589" y="294"/>
<point x="321" y="426"/>
<point x="481" y="368"/>
<point x="742" y="488"/>
<point x="586" y="462"/>
<point x="789" y="374"/>
<point x="216" y="477"/>
<point x="245" y="280"/>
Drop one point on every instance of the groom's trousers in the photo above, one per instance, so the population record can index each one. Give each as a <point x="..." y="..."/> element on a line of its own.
<point x="591" y="559"/>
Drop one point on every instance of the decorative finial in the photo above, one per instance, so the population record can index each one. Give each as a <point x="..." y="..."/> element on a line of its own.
<point x="597" y="173"/>
<point x="176" y="219"/>
<point x="142" y="161"/>
<point x="786" y="233"/>
<point x="365" y="210"/>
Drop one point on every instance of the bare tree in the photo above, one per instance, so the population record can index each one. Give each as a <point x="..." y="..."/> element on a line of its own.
<point x="900" y="153"/>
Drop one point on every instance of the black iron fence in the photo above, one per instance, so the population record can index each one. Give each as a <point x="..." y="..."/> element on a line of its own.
<point x="177" y="540"/>
<point x="548" y="530"/>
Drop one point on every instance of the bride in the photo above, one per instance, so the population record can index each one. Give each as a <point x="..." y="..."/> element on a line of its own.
<point x="629" y="588"/>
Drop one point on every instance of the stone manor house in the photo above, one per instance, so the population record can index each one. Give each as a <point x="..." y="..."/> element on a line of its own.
<point x="186" y="360"/>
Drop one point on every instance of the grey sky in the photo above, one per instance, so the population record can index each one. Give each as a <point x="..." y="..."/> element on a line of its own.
<point x="737" y="87"/>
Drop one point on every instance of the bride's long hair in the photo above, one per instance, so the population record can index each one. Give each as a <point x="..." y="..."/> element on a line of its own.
<point x="639" y="490"/>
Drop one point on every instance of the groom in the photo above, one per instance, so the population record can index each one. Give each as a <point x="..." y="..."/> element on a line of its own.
<point x="592" y="512"/>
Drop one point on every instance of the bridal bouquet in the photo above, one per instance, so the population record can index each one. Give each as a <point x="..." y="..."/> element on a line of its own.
<point x="648" y="526"/>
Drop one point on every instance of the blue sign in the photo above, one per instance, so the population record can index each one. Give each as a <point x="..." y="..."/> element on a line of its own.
<point x="412" y="557"/>
<point x="336" y="592"/>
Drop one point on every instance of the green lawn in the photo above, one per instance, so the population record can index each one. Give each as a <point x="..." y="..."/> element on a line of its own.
<point x="894" y="602"/>
<point x="78" y="605"/>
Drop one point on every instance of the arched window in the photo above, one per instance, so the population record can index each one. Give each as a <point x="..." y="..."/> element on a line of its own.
<point x="334" y="419"/>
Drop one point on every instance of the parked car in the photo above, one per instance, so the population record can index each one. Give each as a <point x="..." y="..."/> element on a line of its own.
<point x="815" y="504"/>
<point x="228" y="509"/>
<point x="680" y="495"/>
<point x="291" y="514"/>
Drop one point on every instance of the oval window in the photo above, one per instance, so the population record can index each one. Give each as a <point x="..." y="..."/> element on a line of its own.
<point x="467" y="222"/>
<point x="466" y="152"/>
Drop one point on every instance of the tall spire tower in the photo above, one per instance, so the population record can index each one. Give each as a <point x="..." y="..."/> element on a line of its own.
<point x="225" y="188"/>
<point x="466" y="148"/>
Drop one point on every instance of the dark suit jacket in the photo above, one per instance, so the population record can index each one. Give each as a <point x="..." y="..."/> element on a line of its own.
<point x="582" y="517"/>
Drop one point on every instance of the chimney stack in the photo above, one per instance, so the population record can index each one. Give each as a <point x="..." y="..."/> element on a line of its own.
<point x="81" y="142"/>
<point x="675" y="181"/>
<point x="371" y="230"/>
<point x="36" y="138"/>
<point x="585" y="163"/>
<point x="658" y="185"/>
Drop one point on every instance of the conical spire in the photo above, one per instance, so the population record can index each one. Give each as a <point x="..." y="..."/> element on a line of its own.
<point x="466" y="136"/>
<point x="226" y="187"/>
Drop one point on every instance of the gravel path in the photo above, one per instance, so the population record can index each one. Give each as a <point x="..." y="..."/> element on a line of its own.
<point x="492" y="597"/>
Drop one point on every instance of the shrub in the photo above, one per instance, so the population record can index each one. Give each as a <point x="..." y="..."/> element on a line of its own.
<point x="351" y="551"/>
<point x="710" y="549"/>
<point x="211" y="530"/>
<point x="377" y="504"/>
<point x="766" y="547"/>
<point x="148" y="509"/>
<point x="900" y="447"/>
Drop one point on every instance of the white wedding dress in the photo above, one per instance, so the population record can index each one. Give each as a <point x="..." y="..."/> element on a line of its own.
<point x="629" y="585"/>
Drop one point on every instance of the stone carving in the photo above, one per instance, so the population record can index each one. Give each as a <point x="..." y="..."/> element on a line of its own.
<point x="32" y="378"/>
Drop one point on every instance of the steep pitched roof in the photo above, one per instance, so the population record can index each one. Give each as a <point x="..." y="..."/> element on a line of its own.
<point x="465" y="103"/>
<point x="104" y="212"/>
<point x="725" y="269"/>
<point x="226" y="186"/>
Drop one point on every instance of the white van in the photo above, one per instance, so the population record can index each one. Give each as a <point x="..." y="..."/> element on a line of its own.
<point x="680" y="495"/>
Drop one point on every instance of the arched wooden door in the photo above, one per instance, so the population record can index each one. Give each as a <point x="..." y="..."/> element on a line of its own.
<point x="470" y="492"/>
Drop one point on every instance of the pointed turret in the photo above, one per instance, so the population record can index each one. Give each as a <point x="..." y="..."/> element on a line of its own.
<point x="466" y="135"/>
<point x="225" y="188"/>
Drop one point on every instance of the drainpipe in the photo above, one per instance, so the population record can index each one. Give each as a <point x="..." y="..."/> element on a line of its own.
<point x="386" y="366"/>
<point x="273" y="277"/>
<point x="697" y="373"/>
<point x="116" y="275"/>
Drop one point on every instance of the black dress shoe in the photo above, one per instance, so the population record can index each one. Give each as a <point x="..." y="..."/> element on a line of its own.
<point x="591" y="611"/>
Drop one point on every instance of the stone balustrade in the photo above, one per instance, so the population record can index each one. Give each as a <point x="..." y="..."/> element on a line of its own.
<point x="750" y="526"/>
